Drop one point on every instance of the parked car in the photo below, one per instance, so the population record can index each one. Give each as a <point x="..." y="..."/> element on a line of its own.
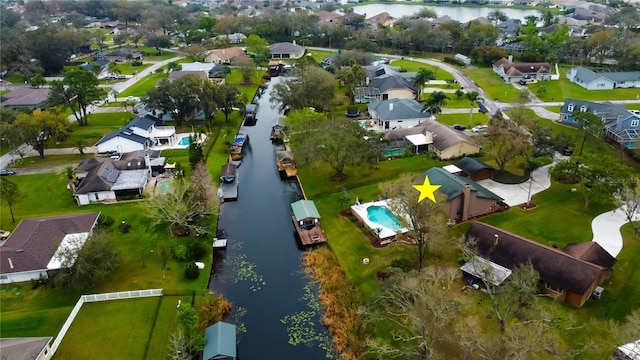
<point x="480" y="128"/>
<point x="566" y="151"/>
<point x="5" y="172"/>
<point x="459" y="127"/>
<point x="4" y="234"/>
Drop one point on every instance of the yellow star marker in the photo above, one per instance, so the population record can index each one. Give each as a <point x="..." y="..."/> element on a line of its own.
<point x="426" y="190"/>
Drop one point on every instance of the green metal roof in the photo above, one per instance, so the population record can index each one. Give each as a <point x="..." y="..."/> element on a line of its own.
<point x="471" y="165"/>
<point x="304" y="209"/>
<point x="452" y="185"/>
<point x="221" y="341"/>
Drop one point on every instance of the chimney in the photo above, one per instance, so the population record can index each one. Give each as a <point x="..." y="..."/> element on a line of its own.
<point x="510" y="58"/>
<point x="466" y="200"/>
<point x="294" y="42"/>
<point x="390" y="106"/>
<point x="10" y="263"/>
<point x="495" y="240"/>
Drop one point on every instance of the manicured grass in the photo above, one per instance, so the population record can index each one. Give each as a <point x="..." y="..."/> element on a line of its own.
<point x="51" y="160"/>
<point x="180" y="61"/>
<point x="414" y="66"/>
<point x="15" y="78"/>
<point x="142" y="87"/>
<point x="127" y="69"/>
<point x="151" y="54"/>
<point x="116" y="329"/>
<point x="463" y="119"/>
<point x="555" y="109"/>
<point x="632" y="106"/>
<point x="558" y="90"/>
<point x="494" y="87"/>
<point x="453" y="102"/>
<point x="319" y="55"/>
<point x="248" y="90"/>
<point x="100" y="124"/>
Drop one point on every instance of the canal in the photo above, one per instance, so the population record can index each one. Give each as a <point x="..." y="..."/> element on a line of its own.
<point x="260" y="272"/>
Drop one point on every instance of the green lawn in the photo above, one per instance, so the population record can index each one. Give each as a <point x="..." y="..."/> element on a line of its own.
<point x="127" y="69"/>
<point x="632" y="106"/>
<point x="453" y="102"/>
<point x="15" y="78"/>
<point x="494" y="87"/>
<point x="463" y="119"/>
<point x="248" y="90"/>
<point x="100" y="124"/>
<point x="151" y="54"/>
<point x="144" y="85"/>
<point x="51" y="160"/>
<point x="414" y="66"/>
<point x="558" y="90"/>
<point x="556" y="109"/>
<point x="319" y="55"/>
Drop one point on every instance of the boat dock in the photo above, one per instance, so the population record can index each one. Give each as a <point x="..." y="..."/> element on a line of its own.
<point x="315" y="235"/>
<point x="228" y="190"/>
<point x="286" y="165"/>
<point x="306" y="220"/>
<point x="220" y="241"/>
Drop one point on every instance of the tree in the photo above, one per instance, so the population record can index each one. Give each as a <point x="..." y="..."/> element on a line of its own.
<point x="497" y="16"/>
<point x="159" y="42"/>
<point x="424" y="220"/>
<point x="203" y="192"/>
<point x="488" y="54"/>
<point x="459" y="94"/>
<point x="37" y="130"/>
<point x="229" y="97"/>
<point x="37" y="81"/>
<point x="76" y="91"/>
<point x="195" y="151"/>
<point x="258" y="48"/>
<point x="335" y="142"/>
<point x="87" y="263"/>
<point x="247" y="69"/>
<point x="600" y="43"/>
<point x="420" y="307"/>
<point x="352" y="76"/>
<point x="425" y="13"/>
<point x="208" y="97"/>
<point x="472" y="96"/>
<point x="173" y="66"/>
<point x="629" y="201"/>
<point x="80" y="144"/>
<point x="314" y="87"/>
<point x="178" y="98"/>
<point x="188" y="326"/>
<point x="10" y="194"/>
<point x="120" y="39"/>
<point x="504" y="142"/>
<point x="590" y="125"/>
<point x="194" y="52"/>
<point x="435" y="102"/>
<point x="422" y="76"/>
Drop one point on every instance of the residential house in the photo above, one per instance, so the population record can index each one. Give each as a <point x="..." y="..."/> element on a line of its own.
<point x="121" y="29"/>
<point x="466" y="199"/>
<point x="441" y="20"/>
<point x="326" y="16"/>
<point x="474" y="169"/>
<point x="107" y="179"/>
<point x="36" y="245"/>
<point x="569" y="275"/>
<point x="221" y="342"/>
<point x="120" y="55"/>
<point x="140" y="133"/>
<point x="25" y="97"/>
<point x="26" y="348"/>
<point x="628" y="351"/>
<point x="235" y="38"/>
<point x="225" y="56"/>
<point x="604" y="80"/>
<point x="514" y="72"/>
<point x="382" y="19"/>
<point x="286" y="50"/>
<point x="175" y="75"/>
<point x="397" y="113"/>
<point x="387" y="82"/>
<point x="203" y="67"/>
<point x="509" y="28"/>
<point x="620" y="125"/>
<point x="89" y="66"/>
<point x="446" y="142"/>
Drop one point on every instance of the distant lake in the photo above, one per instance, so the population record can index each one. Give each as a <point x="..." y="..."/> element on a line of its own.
<point x="459" y="13"/>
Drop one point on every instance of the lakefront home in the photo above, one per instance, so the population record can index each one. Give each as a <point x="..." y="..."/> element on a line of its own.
<point x="604" y="80"/>
<point x="513" y="72"/>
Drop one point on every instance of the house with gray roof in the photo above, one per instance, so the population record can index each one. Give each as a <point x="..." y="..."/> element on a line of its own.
<point x="26" y="348"/>
<point x="513" y="72"/>
<point x="397" y="113"/>
<point x="286" y="50"/>
<point x="466" y="199"/>
<point x="387" y="82"/>
<point x="235" y="38"/>
<point x="36" y="245"/>
<point x="120" y="55"/>
<point x="140" y="133"/>
<point x="620" y="125"/>
<point x="604" y="80"/>
<point x="25" y="97"/>
<point x="221" y="342"/>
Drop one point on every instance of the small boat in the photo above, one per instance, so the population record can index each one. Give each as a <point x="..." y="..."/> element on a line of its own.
<point x="235" y="152"/>
<point x="240" y="139"/>
<point x="220" y="241"/>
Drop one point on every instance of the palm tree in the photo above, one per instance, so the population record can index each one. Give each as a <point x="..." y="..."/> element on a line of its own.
<point x="113" y="68"/>
<point x="459" y="94"/>
<point x="95" y="69"/>
<point x="472" y="96"/>
<point x="422" y="76"/>
<point x="352" y="76"/>
<point x="70" y="173"/>
<point x="81" y="145"/>
<point x="435" y="102"/>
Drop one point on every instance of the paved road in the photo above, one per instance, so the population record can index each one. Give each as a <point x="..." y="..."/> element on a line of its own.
<point x="122" y="86"/>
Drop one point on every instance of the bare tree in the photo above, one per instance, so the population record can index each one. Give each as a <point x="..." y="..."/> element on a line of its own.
<point x="629" y="201"/>
<point x="425" y="220"/>
<point x="505" y="142"/>
<point x="10" y="194"/>
<point x="178" y="348"/>
<point x="203" y="192"/>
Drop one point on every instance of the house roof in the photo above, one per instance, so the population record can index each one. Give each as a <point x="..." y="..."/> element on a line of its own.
<point x="380" y="18"/>
<point x="144" y="122"/>
<point x="174" y="75"/>
<point x="25" y="96"/>
<point x="221" y="341"/>
<point x="124" y="133"/>
<point x="554" y="266"/>
<point x="123" y="52"/>
<point x="519" y="69"/>
<point x="375" y="71"/>
<point x="587" y="75"/>
<point x="444" y="136"/>
<point x="397" y="109"/>
<point x="198" y="66"/>
<point x="441" y="20"/>
<point x="304" y="209"/>
<point x="286" y="48"/>
<point x="106" y="174"/>
<point x="228" y="170"/>
<point x="27" y="348"/>
<point x="608" y="110"/>
<point x="471" y="165"/>
<point x="387" y="82"/>
<point x="284" y="155"/>
<point x="591" y="252"/>
<point x="235" y="37"/>
<point x="453" y="186"/>
<point x="226" y="53"/>
<point x="32" y="244"/>
<point x="327" y="16"/>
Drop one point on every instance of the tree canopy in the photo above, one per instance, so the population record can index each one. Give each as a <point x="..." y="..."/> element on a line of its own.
<point x="77" y="90"/>
<point x="313" y="86"/>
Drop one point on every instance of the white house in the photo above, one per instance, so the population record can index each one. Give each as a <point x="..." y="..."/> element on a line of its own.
<point x="286" y="50"/>
<point x="140" y="133"/>
<point x="398" y="113"/>
<point x="34" y="247"/>
<point x="604" y="80"/>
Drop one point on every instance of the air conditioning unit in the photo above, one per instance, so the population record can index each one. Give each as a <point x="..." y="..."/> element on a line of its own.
<point x="597" y="293"/>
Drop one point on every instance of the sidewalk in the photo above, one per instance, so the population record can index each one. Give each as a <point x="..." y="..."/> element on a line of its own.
<point x="606" y="229"/>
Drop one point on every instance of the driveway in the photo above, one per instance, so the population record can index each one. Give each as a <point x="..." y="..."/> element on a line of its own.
<point x="606" y="229"/>
<point x="516" y="194"/>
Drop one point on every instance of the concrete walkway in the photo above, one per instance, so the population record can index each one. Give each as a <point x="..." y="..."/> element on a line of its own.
<point x="546" y="114"/>
<point x="516" y="194"/>
<point x="606" y="229"/>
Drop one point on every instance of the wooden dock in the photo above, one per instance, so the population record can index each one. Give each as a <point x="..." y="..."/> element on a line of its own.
<point x="314" y="235"/>
<point x="286" y="165"/>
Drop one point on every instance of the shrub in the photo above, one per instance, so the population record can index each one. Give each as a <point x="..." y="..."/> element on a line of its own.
<point x="179" y="252"/>
<point x="136" y="63"/>
<point x="104" y="221"/>
<point x="195" y="250"/>
<point x="191" y="271"/>
<point x="453" y="61"/>
<point x="125" y="228"/>
<point x="401" y="263"/>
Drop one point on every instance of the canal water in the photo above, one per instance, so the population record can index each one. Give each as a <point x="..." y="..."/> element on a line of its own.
<point x="260" y="272"/>
<point x="459" y="13"/>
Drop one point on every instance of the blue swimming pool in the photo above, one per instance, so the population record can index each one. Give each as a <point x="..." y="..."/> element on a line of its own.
<point x="163" y="187"/>
<point x="393" y="153"/>
<point x="383" y="216"/>
<point x="184" y="141"/>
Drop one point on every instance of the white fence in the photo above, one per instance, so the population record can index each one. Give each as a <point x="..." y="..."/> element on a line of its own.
<point x="98" y="297"/>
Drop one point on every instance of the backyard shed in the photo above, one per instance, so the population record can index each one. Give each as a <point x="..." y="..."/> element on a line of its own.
<point x="475" y="169"/>
<point x="221" y="342"/>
